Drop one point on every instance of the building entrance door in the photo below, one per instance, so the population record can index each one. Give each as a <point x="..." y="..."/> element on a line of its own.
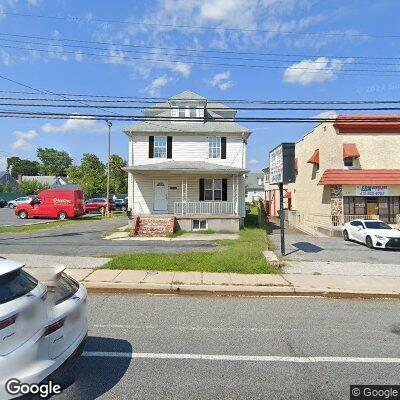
<point x="372" y="206"/>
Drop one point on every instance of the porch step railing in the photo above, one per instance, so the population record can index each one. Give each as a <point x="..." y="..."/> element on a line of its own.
<point x="204" y="207"/>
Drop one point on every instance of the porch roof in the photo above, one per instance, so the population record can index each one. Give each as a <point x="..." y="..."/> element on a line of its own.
<point x="190" y="167"/>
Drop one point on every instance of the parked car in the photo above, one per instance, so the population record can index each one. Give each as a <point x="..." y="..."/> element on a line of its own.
<point x="98" y="204"/>
<point x="121" y="204"/>
<point x="41" y="327"/>
<point x="20" y="200"/>
<point x="373" y="233"/>
<point x="53" y="203"/>
<point x="3" y="203"/>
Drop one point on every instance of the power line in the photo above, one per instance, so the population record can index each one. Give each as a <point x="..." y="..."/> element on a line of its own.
<point x="192" y="27"/>
<point x="170" y="61"/>
<point x="62" y="45"/>
<point x="197" y="50"/>
<point x="208" y="108"/>
<point x="59" y="115"/>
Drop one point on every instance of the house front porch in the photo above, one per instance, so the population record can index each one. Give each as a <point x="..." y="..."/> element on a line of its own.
<point x="210" y="199"/>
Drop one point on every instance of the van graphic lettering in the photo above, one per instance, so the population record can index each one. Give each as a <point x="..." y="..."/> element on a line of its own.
<point x="56" y="200"/>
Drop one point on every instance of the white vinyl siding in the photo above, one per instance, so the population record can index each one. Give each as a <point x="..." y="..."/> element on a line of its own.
<point x="191" y="147"/>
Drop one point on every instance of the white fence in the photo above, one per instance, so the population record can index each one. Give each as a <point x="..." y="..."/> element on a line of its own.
<point x="204" y="207"/>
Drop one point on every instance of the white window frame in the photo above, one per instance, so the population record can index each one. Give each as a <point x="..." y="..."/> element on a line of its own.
<point x="160" y="149"/>
<point x="199" y="227"/>
<point x="216" y="186"/>
<point x="214" y="147"/>
<point x="174" y="112"/>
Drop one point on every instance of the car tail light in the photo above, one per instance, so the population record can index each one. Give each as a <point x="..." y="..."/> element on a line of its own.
<point x="53" y="327"/>
<point x="8" y="321"/>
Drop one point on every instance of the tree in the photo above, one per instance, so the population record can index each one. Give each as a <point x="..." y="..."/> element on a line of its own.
<point x="31" y="186"/>
<point x="118" y="177"/>
<point x="90" y="175"/>
<point x="54" y="162"/>
<point x="17" y="166"/>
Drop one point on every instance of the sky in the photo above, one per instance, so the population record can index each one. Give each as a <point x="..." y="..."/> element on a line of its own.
<point x="136" y="59"/>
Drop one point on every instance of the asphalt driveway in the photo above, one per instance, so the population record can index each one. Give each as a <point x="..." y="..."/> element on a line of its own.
<point x="303" y="247"/>
<point x="86" y="239"/>
<point x="8" y="218"/>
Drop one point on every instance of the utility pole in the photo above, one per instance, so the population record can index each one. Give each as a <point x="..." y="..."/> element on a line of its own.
<point x="282" y="219"/>
<point x="109" y="123"/>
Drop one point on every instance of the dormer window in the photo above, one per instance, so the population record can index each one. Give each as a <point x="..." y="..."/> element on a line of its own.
<point x="188" y="111"/>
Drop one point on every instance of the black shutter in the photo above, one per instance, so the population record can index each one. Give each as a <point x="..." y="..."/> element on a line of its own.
<point x="223" y="147"/>
<point x="169" y="146"/>
<point x="224" y="189"/>
<point x="201" y="189"/>
<point x="151" y="146"/>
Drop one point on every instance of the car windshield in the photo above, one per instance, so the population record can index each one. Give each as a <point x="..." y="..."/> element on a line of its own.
<point x="376" y="225"/>
<point x="15" y="284"/>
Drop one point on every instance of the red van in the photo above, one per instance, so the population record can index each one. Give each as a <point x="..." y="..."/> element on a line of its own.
<point x="53" y="203"/>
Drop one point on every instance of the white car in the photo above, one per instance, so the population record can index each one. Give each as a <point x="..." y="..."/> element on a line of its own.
<point x="41" y="327"/>
<point x="373" y="233"/>
<point x="20" y="200"/>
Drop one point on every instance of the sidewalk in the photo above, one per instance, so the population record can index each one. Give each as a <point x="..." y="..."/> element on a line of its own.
<point x="141" y="281"/>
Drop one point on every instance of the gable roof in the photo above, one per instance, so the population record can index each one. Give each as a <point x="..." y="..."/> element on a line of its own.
<point x="187" y="95"/>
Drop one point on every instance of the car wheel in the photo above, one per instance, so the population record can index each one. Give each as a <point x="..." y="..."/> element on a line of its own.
<point x="23" y="214"/>
<point x="11" y="206"/>
<point x="368" y="242"/>
<point x="62" y="215"/>
<point x="346" y="236"/>
<point x="102" y="210"/>
<point x="123" y="208"/>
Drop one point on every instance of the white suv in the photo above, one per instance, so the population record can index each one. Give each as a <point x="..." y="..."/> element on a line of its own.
<point x="20" y="200"/>
<point x="41" y="327"/>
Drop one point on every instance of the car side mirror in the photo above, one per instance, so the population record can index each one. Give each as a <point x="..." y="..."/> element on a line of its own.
<point x="360" y="228"/>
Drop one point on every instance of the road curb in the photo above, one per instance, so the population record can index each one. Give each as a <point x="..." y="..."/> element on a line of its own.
<point x="238" y="290"/>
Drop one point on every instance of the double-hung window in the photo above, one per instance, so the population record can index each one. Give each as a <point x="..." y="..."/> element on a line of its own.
<point x="214" y="147"/>
<point x="160" y="147"/>
<point x="212" y="189"/>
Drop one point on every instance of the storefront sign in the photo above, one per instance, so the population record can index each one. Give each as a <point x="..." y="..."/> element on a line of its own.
<point x="373" y="191"/>
<point x="281" y="164"/>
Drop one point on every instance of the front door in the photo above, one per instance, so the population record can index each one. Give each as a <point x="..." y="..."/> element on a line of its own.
<point x="372" y="206"/>
<point x="160" y="196"/>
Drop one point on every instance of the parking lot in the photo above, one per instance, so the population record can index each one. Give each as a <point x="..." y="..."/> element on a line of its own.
<point x="8" y="218"/>
<point x="303" y="247"/>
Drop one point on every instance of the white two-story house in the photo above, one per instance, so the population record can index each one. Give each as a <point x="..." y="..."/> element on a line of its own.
<point x="184" y="162"/>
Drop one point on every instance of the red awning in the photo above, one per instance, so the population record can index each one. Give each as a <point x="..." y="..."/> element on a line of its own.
<point x="314" y="158"/>
<point x="360" y="177"/>
<point x="350" y="150"/>
<point x="370" y="123"/>
<point x="288" y="195"/>
<point x="296" y="165"/>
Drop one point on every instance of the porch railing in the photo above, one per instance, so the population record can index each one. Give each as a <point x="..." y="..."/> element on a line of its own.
<point x="204" y="207"/>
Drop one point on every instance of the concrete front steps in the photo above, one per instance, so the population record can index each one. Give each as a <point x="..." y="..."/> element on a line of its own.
<point x="153" y="226"/>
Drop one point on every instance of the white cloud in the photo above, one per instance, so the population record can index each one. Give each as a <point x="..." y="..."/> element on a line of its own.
<point x="314" y="71"/>
<point x="23" y="139"/>
<point x="222" y="80"/>
<point x="253" y="161"/>
<point x="326" y="114"/>
<point x="75" y="124"/>
<point x="79" y="56"/>
<point x="156" y="85"/>
<point x="182" y="68"/>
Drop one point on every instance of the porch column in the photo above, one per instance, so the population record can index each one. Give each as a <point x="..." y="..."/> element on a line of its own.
<point x="182" y="196"/>
<point x="233" y="194"/>
<point x="237" y="195"/>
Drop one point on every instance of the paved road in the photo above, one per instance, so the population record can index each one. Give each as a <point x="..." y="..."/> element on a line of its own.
<point x="160" y="329"/>
<point x="303" y="247"/>
<point x="85" y="239"/>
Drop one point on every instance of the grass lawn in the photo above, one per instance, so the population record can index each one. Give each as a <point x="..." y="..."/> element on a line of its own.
<point x="51" y="224"/>
<point x="242" y="255"/>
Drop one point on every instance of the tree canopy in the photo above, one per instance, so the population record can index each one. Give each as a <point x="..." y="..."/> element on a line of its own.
<point x="54" y="162"/>
<point x="17" y="166"/>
